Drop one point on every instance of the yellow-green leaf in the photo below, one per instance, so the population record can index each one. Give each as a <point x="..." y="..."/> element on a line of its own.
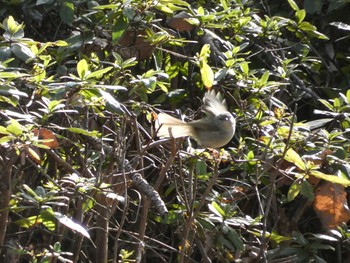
<point x="207" y="75"/>
<point x="294" y="190"/>
<point x="330" y="178"/>
<point x="293" y="157"/>
<point x="83" y="68"/>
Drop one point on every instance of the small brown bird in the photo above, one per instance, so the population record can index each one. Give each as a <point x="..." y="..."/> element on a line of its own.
<point x="215" y="130"/>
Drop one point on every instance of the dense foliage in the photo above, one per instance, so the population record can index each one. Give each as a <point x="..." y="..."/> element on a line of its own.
<point x="84" y="177"/>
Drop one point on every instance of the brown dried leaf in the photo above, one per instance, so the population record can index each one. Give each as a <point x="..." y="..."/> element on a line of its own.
<point x="331" y="205"/>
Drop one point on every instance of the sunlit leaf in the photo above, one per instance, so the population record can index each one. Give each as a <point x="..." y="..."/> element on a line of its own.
<point x="116" y="106"/>
<point x="293" y="5"/>
<point x="15" y="128"/>
<point x="293" y="157"/>
<point x="83" y="68"/>
<point x="300" y="15"/>
<point x="294" y="190"/>
<point x="63" y="219"/>
<point x="216" y="209"/>
<point x="341" y="25"/>
<point x="82" y="131"/>
<point x="207" y="75"/>
<point x="98" y="73"/>
<point x="331" y="178"/>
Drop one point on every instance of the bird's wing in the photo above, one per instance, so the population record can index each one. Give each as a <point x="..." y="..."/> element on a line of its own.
<point x="214" y="103"/>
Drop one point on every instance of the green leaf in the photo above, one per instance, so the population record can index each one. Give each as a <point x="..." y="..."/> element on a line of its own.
<point x="224" y="4"/>
<point x="300" y="15"/>
<point x="48" y="218"/>
<point x="307" y="190"/>
<point x="111" y="87"/>
<point x="207" y="75"/>
<point x="98" y="73"/>
<point x="13" y="29"/>
<point x="164" y="8"/>
<point x="244" y="67"/>
<point x="83" y="69"/>
<point x="278" y="238"/>
<point x="119" y="28"/>
<point x="264" y="78"/>
<point x="15" y="128"/>
<point x="293" y="157"/>
<point x="330" y="178"/>
<point x="31" y="192"/>
<point x="6" y="139"/>
<point x="84" y="132"/>
<point x="294" y="190"/>
<point x="63" y="219"/>
<point x="67" y="11"/>
<point x="29" y="221"/>
<point x="3" y="130"/>
<point x="205" y="52"/>
<point x="22" y="52"/>
<point x="216" y="209"/>
<point x="234" y="237"/>
<point x="337" y="103"/>
<point x="327" y="104"/>
<point x="293" y="5"/>
<point x="112" y="102"/>
<point x="11" y="24"/>
<point x="306" y="26"/>
<point x="11" y="91"/>
<point x="317" y="35"/>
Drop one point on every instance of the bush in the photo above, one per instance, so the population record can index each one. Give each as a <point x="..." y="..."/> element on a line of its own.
<point x="84" y="176"/>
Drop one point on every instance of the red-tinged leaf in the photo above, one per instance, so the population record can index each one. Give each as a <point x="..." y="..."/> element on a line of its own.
<point x="48" y="136"/>
<point x="331" y="205"/>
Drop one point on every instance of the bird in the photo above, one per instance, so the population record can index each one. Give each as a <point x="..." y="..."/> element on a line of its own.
<point x="214" y="130"/>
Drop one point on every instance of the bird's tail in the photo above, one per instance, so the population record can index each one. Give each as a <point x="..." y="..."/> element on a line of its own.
<point x="170" y="127"/>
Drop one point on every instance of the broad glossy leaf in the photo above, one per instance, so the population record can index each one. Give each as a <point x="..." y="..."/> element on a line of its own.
<point x="293" y="5"/>
<point x="112" y="102"/>
<point x="119" y="28"/>
<point x="207" y="75"/>
<point x="341" y="25"/>
<point x="98" y="73"/>
<point x="66" y="11"/>
<point x="331" y="178"/>
<point x="63" y="219"/>
<point x="22" y="52"/>
<point x="294" y="190"/>
<point x="83" y="68"/>
<point x="300" y="15"/>
<point x="293" y="157"/>
<point x="216" y="209"/>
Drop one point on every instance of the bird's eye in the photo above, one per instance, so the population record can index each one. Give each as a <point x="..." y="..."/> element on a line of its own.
<point x="224" y="117"/>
